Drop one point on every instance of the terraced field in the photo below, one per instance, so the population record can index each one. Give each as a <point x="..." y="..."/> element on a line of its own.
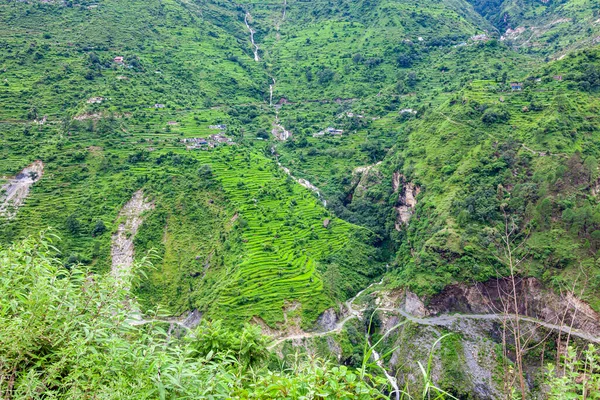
<point x="283" y="237"/>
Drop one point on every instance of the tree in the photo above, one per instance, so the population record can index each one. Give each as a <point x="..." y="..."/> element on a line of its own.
<point x="591" y="166"/>
<point x="404" y="61"/>
<point x="374" y="149"/>
<point x="325" y="76"/>
<point x="205" y="171"/>
<point x="72" y="224"/>
<point x="411" y="79"/>
<point x="309" y="75"/>
<point x="494" y="115"/>
<point x="99" y="228"/>
<point x="263" y="134"/>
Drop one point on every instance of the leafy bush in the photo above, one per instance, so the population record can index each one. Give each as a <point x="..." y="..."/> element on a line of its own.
<point x="577" y="378"/>
<point x="494" y="115"/>
<point x="67" y="334"/>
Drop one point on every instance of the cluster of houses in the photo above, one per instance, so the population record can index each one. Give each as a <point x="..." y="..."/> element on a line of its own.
<point x="350" y="115"/>
<point x="220" y="127"/>
<point x="207" y="143"/>
<point x="95" y="100"/>
<point x="331" y="131"/>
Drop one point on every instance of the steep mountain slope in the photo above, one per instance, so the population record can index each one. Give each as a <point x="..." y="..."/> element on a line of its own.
<point x="383" y="109"/>
<point x="492" y="152"/>
<point x="106" y="127"/>
<point x="296" y="165"/>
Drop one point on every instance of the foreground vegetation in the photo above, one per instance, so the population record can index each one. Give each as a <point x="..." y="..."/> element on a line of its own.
<point x="66" y="334"/>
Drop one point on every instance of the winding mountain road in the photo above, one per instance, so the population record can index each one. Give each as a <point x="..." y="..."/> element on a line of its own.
<point x="447" y="320"/>
<point x="442" y="320"/>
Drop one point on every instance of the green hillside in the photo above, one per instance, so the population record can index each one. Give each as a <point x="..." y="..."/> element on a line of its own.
<point x="552" y="27"/>
<point x="106" y="127"/>
<point x="290" y="154"/>
<point x="491" y="150"/>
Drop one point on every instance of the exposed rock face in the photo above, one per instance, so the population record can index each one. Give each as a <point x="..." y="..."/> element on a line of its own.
<point x="533" y="300"/>
<point x="479" y="336"/>
<point x="595" y="188"/>
<point x="193" y="319"/>
<point x="414" y="306"/>
<point x="407" y="199"/>
<point x="280" y="132"/>
<point x="14" y="193"/>
<point x="328" y="320"/>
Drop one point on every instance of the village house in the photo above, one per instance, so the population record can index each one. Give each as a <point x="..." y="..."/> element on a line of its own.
<point x="516" y="86"/>
<point x="119" y="60"/>
<point x="331" y="131"/>
<point x="172" y="123"/>
<point x="558" y="77"/>
<point x="220" y="139"/>
<point x="95" y="100"/>
<point x="158" y="105"/>
<point x="211" y="142"/>
<point x="195" y="143"/>
<point x="221" y="127"/>
<point x="480" y="38"/>
<point x="408" y="111"/>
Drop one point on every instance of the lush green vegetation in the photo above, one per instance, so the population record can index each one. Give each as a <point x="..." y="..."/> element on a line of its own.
<point x="268" y="251"/>
<point x="485" y="129"/>
<point x="545" y="27"/>
<point x="529" y="154"/>
<point x="65" y="334"/>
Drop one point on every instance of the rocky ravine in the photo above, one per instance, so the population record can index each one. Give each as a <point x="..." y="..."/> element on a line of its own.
<point x="473" y="313"/>
<point x="252" y="32"/>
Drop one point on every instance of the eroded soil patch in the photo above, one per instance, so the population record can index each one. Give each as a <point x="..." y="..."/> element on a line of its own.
<point x="14" y="193"/>
<point x="131" y="217"/>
